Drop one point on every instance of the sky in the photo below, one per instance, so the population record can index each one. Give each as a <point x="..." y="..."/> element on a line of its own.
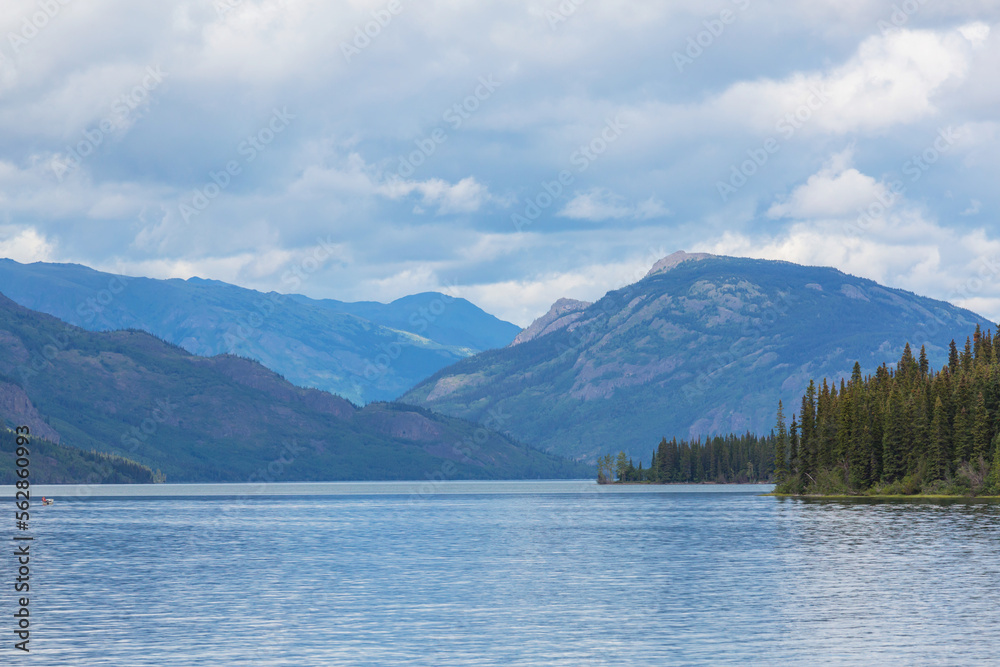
<point x="510" y="153"/>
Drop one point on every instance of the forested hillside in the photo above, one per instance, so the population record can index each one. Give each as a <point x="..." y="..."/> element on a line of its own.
<point x="227" y="418"/>
<point x="363" y="351"/>
<point x="701" y="346"/>
<point x="900" y="431"/>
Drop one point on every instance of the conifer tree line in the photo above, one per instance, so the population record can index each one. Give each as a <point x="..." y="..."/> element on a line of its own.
<point x="721" y="459"/>
<point x="899" y="431"/>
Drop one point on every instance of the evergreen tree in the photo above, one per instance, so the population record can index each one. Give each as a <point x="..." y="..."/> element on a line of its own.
<point x="780" y="447"/>
<point x="986" y="349"/>
<point x="967" y="356"/>
<point x="981" y="430"/>
<point x="621" y="466"/>
<point x="993" y="480"/>
<point x="907" y="366"/>
<point x="893" y="439"/>
<point x="953" y="357"/>
<point x="924" y="364"/>
<point x="938" y="460"/>
<point x="860" y="468"/>
<point x="807" y="432"/>
<point x="794" y="450"/>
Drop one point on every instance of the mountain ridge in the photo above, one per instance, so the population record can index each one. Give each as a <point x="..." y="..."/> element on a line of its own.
<point x="365" y="351"/>
<point x="226" y="418"/>
<point x="706" y="347"/>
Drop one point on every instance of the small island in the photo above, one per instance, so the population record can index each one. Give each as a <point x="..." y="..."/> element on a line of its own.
<point x="731" y="459"/>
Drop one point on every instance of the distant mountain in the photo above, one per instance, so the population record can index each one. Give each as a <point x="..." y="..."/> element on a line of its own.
<point x="444" y="319"/>
<point x="702" y="345"/>
<point x="227" y="418"/>
<point x="363" y="351"/>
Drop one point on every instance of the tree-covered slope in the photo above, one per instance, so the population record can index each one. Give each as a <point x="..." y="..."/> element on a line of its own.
<point x="51" y="463"/>
<point x="903" y="430"/>
<point x="228" y="418"/>
<point x="363" y="351"/>
<point x="698" y="347"/>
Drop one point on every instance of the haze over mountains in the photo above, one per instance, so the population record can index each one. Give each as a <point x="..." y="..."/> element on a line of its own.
<point x="226" y="418"/>
<point x="362" y="351"/>
<point x="702" y="345"/>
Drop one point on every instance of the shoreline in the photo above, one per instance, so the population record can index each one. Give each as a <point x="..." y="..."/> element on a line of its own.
<point x="915" y="496"/>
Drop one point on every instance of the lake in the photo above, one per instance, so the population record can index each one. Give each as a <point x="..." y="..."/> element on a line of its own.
<point x="504" y="573"/>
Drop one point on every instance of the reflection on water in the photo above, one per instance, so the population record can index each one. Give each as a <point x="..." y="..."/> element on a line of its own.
<point x="671" y="577"/>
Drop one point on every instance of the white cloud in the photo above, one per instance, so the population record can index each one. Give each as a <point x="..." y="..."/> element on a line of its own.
<point x="466" y="196"/>
<point x="903" y="250"/>
<point x="24" y="245"/>
<point x="327" y="174"/>
<point x="598" y="204"/>
<point x="835" y="191"/>
<point x="974" y="207"/>
<point x="976" y="32"/>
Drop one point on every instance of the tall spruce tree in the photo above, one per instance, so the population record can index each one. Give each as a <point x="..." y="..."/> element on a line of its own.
<point x="780" y="446"/>
<point x="953" y="362"/>
<point x="893" y="439"/>
<point x="937" y="464"/>
<point x="981" y="434"/>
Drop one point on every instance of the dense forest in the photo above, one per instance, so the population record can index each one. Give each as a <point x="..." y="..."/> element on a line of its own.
<point x="730" y="459"/>
<point x="52" y="463"/>
<point x="900" y="431"/>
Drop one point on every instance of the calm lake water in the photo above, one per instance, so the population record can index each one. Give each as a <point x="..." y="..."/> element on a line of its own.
<point x="535" y="574"/>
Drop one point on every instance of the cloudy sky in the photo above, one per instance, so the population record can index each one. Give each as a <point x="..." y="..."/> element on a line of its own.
<point x="507" y="152"/>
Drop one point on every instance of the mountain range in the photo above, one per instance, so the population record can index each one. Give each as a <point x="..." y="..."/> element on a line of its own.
<point x="364" y="351"/>
<point x="227" y="418"/>
<point x="701" y="345"/>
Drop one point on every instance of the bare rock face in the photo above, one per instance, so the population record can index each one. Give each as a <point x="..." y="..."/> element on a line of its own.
<point x="698" y="348"/>
<point x="16" y="407"/>
<point x="562" y="313"/>
<point x="673" y="259"/>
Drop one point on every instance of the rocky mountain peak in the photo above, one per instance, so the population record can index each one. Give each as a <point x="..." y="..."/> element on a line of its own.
<point x="562" y="313"/>
<point x="675" y="258"/>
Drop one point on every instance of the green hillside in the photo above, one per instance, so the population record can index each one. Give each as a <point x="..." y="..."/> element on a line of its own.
<point x="701" y="346"/>
<point x="227" y="418"/>
<point x="50" y="463"/>
<point x="363" y="351"/>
